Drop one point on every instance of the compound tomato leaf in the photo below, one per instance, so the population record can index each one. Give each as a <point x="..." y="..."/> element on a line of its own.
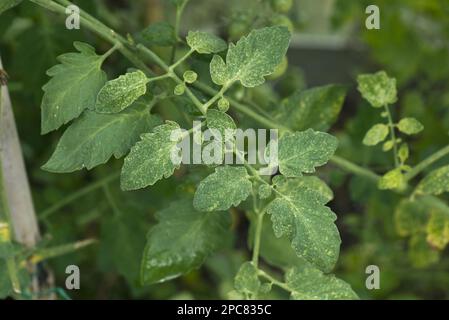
<point x="301" y="152"/>
<point x="317" y="108"/>
<point x="378" y="89"/>
<point x="203" y="42"/>
<point x="300" y="214"/>
<point x="436" y="182"/>
<point x="94" y="138"/>
<point x="73" y="87"/>
<point x="181" y="241"/>
<point x="151" y="158"/>
<point x="226" y="187"/>
<point x="120" y="93"/>
<point x="254" y="56"/>
<point x="308" y="283"/>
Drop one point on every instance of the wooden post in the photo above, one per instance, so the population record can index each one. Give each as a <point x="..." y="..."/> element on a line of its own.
<point x="18" y="194"/>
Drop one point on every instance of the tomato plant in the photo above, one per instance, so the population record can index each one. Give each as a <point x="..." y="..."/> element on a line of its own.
<point x="115" y="101"/>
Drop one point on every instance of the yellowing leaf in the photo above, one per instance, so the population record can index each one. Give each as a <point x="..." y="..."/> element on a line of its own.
<point x="436" y="182"/>
<point x="376" y="134"/>
<point x="410" y="126"/>
<point x="378" y="89"/>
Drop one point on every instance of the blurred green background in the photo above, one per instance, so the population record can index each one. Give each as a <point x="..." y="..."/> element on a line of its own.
<point x="330" y="45"/>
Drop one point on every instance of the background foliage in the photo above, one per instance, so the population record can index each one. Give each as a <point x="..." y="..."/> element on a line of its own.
<point x="375" y="225"/>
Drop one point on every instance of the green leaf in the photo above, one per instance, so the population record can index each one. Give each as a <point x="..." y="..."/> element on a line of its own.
<point x="301" y="152"/>
<point x="220" y="121"/>
<point x="181" y="241"/>
<point x="410" y="217"/>
<point x="203" y="42"/>
<point x="252" y="58"/>
<point x="388" y="145"/>
<point x="8" y="4"/>
<point x="218" y="70"/>
<point x="151" y="158"/>
<point x="393" y="179"/>
<point x="246" y="281"/>
<point x="376" y="134"/>
<point x="159" y="33"/>
<point x="307" y="283"/>
<point x="317" y="108"/>
<point x="378" y="89"/>
<point x="264" y="191"/>
<point x="438" y="230"/>
<point x="436" y="182"/>
<point x="410" y="126"/>
<point x="78" y="72"/>
<point x="94" y="138"/>
<point x="403" y="153"/>
<point x="5" y="283"/>
<point x="300" y="214"/>
<point x="226" y="187"/>
<point x="120" y="93"/>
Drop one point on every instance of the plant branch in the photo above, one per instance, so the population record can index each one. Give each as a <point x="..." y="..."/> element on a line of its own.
<point x="393" y="135"/>
<point x="426" y="163"/>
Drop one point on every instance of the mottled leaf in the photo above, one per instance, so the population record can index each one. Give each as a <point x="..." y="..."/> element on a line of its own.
<point x="151" y="158"/>
<point x="226" y="187"/>
<point x="94" y="138"/>
<point x="307" y="283"/>
<point x="120" y="93"/>
<point x="317" y="108"/>
<point x="410" y="217"/>
<point x="219" y="121"/>
<point x="410" y="126"/>
<point x="420" y="253"/>
<point x="181" y="241"/>
<point x="253" y="57"/>
<point x="438" y="230"/>
<point x="376" y="134"/>
<point x="73" y="87"/>
<point x="378" y="89"/>
<point x="300" y="214"/>
<point x="436" y="182"/>
<point x="393" y="179"/>
<point x="203" y="42"/>
<point x="301" y="152"/>
<point x="246" y="281"/>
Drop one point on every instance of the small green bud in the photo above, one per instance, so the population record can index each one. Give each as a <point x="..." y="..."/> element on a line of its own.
<point x="190" y="76"/>
<point x="179" y="89"/>
<point x="223" y="104"/>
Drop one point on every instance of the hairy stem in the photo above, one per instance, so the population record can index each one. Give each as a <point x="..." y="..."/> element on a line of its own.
<point x="257" y="237"/>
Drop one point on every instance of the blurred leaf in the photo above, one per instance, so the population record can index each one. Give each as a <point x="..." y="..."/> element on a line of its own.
<point x="203" y="42"/>
<point x="436" y="182"/>
<point x="181" y="241"/>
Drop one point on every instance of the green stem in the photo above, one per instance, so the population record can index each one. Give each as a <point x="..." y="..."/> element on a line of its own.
<point x="179" y="12"/>
<point x="426" y="163"/>
<point x="354" y="168"/>
<point x="257" y="238"/>
<point x="393" y="135"/>
<point x="78" y="194"/>
<point x="185" y="57"/>
<point x="274" y="281"/>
